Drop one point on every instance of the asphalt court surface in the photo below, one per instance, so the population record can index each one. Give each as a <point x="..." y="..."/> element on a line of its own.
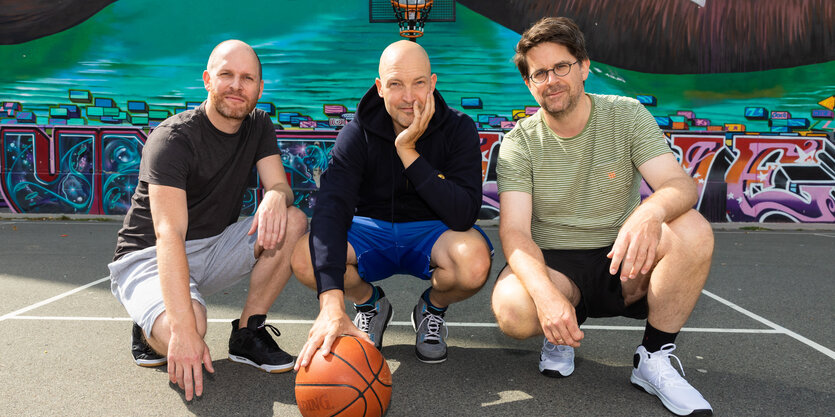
<point x="760" y="341"/>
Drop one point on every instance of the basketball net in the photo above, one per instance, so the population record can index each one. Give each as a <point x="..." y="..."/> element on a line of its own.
<point x="411" y="15"/>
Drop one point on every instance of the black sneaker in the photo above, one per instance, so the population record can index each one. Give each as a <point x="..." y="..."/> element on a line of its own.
<point x="143" y="355"/>
<point x="254" y="346"/>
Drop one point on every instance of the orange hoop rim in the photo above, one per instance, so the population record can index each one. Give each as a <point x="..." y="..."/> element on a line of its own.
<point x="411" y="34"/>
<point x="405" y="5"/>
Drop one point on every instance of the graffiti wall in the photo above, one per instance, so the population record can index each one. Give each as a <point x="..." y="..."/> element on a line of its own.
<point x="77" y="105"/>
<point x="741" y="177"/>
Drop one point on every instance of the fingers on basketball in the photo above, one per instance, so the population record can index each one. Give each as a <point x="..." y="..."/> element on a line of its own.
<point x="354" y="380"/>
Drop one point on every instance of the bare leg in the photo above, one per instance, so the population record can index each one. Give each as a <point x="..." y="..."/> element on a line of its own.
<point x="675" y="283"/>
<point x="462" y="263"/>
<point x="514" y="308"/>
<point x="272" y="271"/>
<point x="161" y="332"/>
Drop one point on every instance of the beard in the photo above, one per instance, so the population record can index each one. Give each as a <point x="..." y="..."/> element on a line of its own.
<point x="225" y="110"/>
<point x="570" y="102"/>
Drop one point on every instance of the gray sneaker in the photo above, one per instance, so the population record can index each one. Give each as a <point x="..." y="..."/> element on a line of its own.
<point x="374" y="318"/>
<point x="430" y="345"/>
<point x="556" y="361"/>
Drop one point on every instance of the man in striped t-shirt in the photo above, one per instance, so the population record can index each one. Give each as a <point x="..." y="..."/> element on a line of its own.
<point x="578" y="241"/>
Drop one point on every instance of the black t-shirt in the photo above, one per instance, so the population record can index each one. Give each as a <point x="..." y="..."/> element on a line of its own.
<point x="186" y="151"/>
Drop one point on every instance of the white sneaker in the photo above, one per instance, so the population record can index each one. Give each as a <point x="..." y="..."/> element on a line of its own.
<point x="556" y="361"/>
<point x="655" y="374"/>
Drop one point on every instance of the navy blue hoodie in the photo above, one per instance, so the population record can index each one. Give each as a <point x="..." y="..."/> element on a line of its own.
<point x="366" y="178"/>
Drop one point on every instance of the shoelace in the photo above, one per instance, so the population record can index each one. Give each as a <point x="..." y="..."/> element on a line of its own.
<point x="556" y="350"/>
<point x="665" y="372"/>
<point x="265" y="335"/>
<point x="363" y="319"/>
<point x="434" y="323"/>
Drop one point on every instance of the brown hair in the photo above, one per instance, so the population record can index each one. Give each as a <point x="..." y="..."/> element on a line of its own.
<point x="560" y="30"/>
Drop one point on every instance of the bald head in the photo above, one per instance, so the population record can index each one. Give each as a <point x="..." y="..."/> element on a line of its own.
<point x="406" y="82"/>
<point x="404" y="54"/>
<point x="231" y="47"/>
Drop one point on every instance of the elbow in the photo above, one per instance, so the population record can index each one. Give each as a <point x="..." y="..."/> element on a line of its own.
<point x="463" y="223"/>
<point x="166" y="232"/>
<point x="465" y="218"/>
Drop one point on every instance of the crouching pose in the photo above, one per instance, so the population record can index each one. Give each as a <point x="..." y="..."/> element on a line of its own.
<point x="578" y="241"/>
<point x="182" y="240"/>
<point x="401" y="196"/>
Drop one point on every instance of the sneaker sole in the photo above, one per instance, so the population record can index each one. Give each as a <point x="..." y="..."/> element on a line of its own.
<point x="645" y="386"/>
<point x="151" y="363"/>
<point x="424" y="359"/>
<point x="273" y="369"/>
<point x="552" y="373"/>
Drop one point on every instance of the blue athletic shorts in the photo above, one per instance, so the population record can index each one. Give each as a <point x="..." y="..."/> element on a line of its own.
<point x="384" y="249"/>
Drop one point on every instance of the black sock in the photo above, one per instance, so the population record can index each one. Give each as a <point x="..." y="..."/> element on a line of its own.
<point x="654" y="338"/>
<point x="434" y="308"/>
<point x="375" y="295"/>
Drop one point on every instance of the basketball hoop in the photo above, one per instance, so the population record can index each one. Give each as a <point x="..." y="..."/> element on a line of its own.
<point x="411" y="16"/>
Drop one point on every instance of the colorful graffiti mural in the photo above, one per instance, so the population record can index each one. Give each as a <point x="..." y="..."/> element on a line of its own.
<point x="746" y="177"/>
<point x="742" y="176"/>
<point x="76" y="105"/>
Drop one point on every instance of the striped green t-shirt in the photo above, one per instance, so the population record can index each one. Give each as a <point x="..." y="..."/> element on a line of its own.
<point x="584" y="187"/>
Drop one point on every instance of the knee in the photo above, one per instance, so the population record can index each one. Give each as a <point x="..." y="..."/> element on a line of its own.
<point x="301" y="263"/>
<point x="513" y="317"/>
<point x="199" y="317"/>
<point x="512" y="321"/>
<point x="696" y="236"/>
<point x="296" y="223"/>
<point x="473" y="266"/>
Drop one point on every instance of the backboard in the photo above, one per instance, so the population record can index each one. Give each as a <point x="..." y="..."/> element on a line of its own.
<point x="381" y="11"/>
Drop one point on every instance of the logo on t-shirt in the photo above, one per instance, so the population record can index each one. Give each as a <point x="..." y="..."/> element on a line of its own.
<point x="611" y="175"/>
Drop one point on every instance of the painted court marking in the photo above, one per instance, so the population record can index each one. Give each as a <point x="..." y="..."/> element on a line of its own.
<point x="49" y="300"/>
<point x="823" y="349"/>
<point x="409" y="324"/>
<point x="775" y="328"/>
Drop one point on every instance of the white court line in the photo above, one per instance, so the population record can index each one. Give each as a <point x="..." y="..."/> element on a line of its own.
<point x="49" y="300"/>
<point x="823" y="349"/>
<point x="775" y="327"/>
<point x="409" y="324"/>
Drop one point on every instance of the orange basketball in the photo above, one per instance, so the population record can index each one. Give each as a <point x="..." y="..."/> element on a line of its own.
<point x="352" y="381"/>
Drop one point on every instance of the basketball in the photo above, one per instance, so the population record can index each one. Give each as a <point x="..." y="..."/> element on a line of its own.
<point x="352" y="381"/>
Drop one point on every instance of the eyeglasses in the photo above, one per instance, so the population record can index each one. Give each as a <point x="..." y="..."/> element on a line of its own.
<point x="560" y="70"/>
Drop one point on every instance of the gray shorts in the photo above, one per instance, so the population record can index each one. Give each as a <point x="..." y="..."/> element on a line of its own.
<point x="214" y="263"/>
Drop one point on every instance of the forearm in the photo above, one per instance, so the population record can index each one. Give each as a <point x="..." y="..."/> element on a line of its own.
<point x="671" y="199"/>
<point x="332" y="300"/>
<point x="407" y="155"/>
<point x="454" y="197"/>
<point x="528" y="264"/>
<point x="284" y="189"/>
<point x="174" y="282"/>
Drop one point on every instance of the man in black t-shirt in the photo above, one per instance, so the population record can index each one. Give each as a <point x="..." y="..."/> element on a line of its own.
<point x="181" y="238"/>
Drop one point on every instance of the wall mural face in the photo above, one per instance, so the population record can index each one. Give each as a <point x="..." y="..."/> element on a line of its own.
<point x="77" y="106"/>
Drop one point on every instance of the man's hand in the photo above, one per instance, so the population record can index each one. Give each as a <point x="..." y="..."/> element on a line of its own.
<point x="558" y="320"/>
<point x="187" y="353"/>
<point x="331" y="323"/>
<point x="423" y="113"/>
<point x="270" y="220"/>
<point x="637" y="243"/>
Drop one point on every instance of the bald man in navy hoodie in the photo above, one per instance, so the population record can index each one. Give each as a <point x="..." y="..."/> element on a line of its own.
<point x="401" y="196"/>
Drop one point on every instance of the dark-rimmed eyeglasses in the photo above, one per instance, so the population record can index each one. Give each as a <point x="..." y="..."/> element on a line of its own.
<point x="560" y="70"/>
